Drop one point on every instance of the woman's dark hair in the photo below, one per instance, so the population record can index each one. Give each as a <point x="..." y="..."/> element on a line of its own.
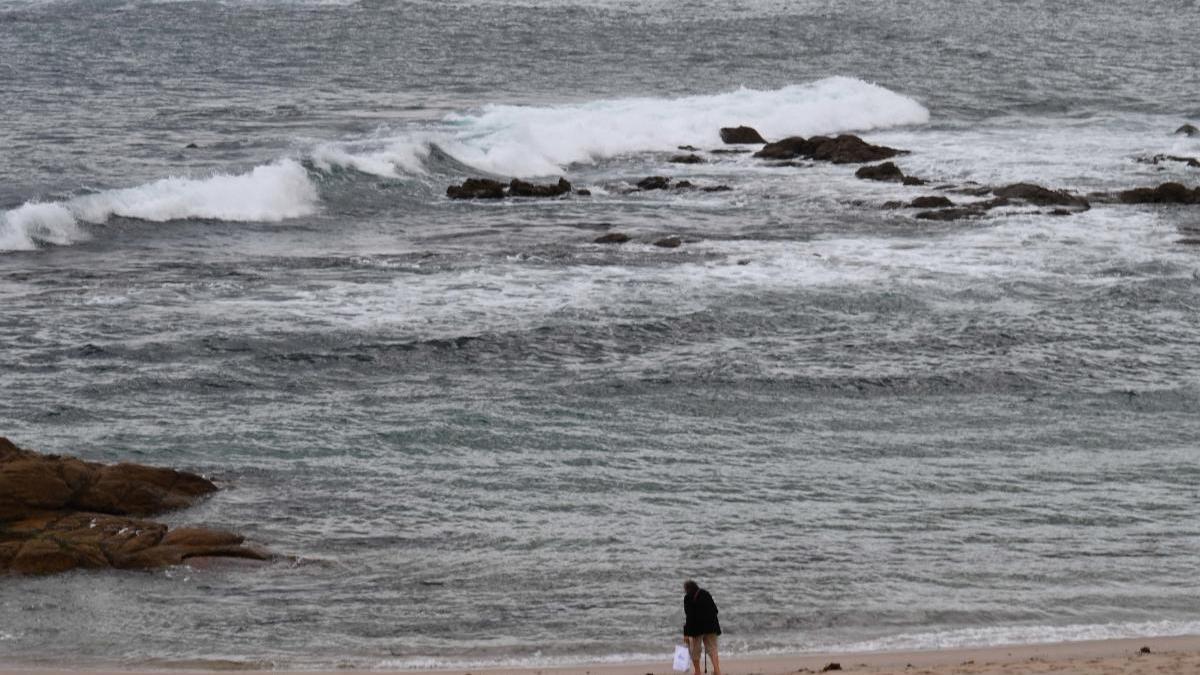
<point x="690" y="586"/>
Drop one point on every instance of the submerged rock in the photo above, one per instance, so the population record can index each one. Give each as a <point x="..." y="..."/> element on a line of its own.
<point x="686" y="159"/>
<point x="1157" y="159"/>
<point x="741" y="135"/>
<point x="1167" y="193"/>
<point x="61" y="513"/>
<point x="1041" y="196"/>
<point x="1188" y="130"/>
<point x="654" y="183"/>
<point x="476" y="188"/>
<point x="881" y="172"/>
<point x="669" y="242"/>
<point x="612" y="238"/>
<point x="931" y="202"/>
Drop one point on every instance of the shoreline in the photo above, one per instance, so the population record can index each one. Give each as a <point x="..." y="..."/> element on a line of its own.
<point x="1167" y="655"/>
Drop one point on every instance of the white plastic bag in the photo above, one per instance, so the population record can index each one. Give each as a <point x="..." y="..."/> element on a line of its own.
<point x="683" y="658"/>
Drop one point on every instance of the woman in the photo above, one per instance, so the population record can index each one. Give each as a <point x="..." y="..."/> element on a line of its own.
<point x="701" y="626"/>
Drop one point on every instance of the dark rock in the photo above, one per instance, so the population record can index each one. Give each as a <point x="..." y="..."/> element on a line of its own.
<point x="654" y="183"/>
<point x="583" y="192"/>
<point x="741" y="135"/>
<point x="476" y="188"/>
<point x="1144" y="650"/>
<point x="1188" y="130"/>
<point x="881" y="172"/>
<point x="832" y="666"/>
<point x="669" y="242"/>
<point x="612" y="238"/>
<point x="1189" y="241"/>
<point x="1167" y="193"/>
<point x="1062" y="212"/>
<point x="845" y="149"/>
<point x="913" y="180"/>
<point x="519" y="188"/>
<point x="716" y="188"/>
<point x="744" y="261"/>
<point x="788" y="148"/>
<point x="1157" y="159"/>
<point x="191" y="146"/>
<point x="686" y="159"/>
<point x="683" y="185"/>
<point x="688" y="148"/>
<point x="957" y="213"/>
<point x="893" y="205"/>
<point x="729" y="151"/>
<point x="1036" y="194"/>
<point x="931" y="202"/>
<point x="61" y="513"/>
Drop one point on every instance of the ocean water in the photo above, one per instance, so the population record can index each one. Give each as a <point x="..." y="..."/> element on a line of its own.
<point x="479" y="438"/>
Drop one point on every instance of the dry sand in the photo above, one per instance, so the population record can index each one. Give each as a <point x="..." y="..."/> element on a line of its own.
<point x="1167" y="656"/>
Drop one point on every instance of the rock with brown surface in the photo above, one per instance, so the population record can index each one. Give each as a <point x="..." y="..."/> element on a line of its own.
<point x="477" y="188"/>
<point x="62" y="513"/>
<point x="844" y="149"/>
<point x="741" y="135"/>
<point x="519" y="188"/>
<point x="1036" y="194"/>
<point x="1167" y="193"/>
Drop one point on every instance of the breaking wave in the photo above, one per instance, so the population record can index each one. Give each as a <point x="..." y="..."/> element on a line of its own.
<point x="267" y="193"/>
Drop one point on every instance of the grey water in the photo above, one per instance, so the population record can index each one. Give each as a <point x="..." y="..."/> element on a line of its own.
<point x="476" y="437"/>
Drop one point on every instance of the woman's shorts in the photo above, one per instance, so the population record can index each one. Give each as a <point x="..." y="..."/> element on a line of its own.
<point x="709" y="640"/>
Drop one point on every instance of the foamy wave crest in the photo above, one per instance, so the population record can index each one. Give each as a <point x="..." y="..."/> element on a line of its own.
<point x="25" y="227"/>
<point x="388" y="159"/>
<point x="268" y="193"/>
<point x="534" y="141"/>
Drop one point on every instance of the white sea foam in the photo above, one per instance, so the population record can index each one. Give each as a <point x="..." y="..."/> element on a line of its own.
<point x="389" y="160"/>
<point x="533" y="141"/>
<point x="267" y="193"/>
<point x="530" y="141"/>
<point x="32" y="223"/>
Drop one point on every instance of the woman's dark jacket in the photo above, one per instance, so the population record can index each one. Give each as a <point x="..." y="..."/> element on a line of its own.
<point x="701" y="613"/>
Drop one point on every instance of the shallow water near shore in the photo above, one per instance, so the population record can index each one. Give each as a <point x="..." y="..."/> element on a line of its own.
<point x="483" y="439"/>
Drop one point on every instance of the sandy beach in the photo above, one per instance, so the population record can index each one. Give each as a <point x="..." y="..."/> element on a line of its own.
<point x="1162" y="655"/>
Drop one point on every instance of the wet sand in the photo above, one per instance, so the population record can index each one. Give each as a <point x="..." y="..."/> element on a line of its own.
<point x="1166" y="656"/>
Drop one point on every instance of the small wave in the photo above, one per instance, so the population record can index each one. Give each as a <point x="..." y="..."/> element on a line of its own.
<point x="267" y="193"/>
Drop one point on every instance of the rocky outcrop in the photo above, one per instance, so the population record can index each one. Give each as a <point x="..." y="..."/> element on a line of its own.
<point x="741" y="136"/>
<point x="844" y="149"/>
<point x="931" y="202"/>
<point x="61" y="513"/>
<point x="1041" y="196"/>
<point x="1167" y="193"/>
<point x="486" y="188"/>
<point x="1188" y="130"/>
<point x="476" y="188"/>
<point x="654" y="183"/>
<point x="886" y="172"/>
<point x="519" y="188"/>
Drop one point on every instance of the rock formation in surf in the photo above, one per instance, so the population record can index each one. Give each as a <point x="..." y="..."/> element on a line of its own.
<point x="741" y="135"/>
<point x="844" y="149"/>
<point x="486" y="188"/>
<point x="61" y="513"/>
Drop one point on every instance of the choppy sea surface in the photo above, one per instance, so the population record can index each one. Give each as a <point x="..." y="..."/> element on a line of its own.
<point x="481" y="438"/>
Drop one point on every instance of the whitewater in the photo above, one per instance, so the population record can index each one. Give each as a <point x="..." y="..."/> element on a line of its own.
<point x="476" y="436"/>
